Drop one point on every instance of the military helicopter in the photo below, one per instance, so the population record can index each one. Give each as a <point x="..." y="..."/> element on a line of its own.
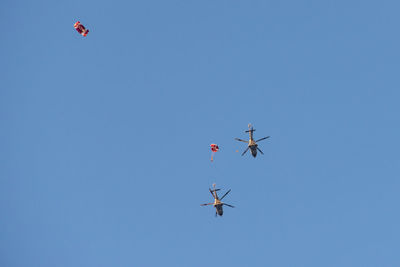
<point x="217" y="201"/>
<point x="251" y="143"/>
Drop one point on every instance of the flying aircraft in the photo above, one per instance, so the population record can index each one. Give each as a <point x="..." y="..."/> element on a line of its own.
<point x="217" y="201"/>
<point x="251" y="143"/>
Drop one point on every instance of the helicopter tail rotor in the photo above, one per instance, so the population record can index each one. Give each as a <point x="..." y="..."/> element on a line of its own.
<point x="214" y="192"/>
<point x="214" y="189"/>
<point x="250" y="128"/>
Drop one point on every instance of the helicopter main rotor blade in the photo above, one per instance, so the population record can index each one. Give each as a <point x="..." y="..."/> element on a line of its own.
<point x="206" y="204"/>
<point x="229" y="205"/>
<point x="245" y="151"/>
<point x="262" y="139"/>
<point x="241" y="140"/>
<point x="225" y="194"/>
<point x="260" y="151"/>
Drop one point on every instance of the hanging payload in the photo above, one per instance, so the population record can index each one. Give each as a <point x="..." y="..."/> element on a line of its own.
<point x="80" y="28"/>
<point x="214" y="148"/>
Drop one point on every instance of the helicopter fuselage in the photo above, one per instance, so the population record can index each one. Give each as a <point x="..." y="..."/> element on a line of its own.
<point x="253" y="150"/>
<point x="252" y="145"/>
<point x="219" y="209"/>
<point x="218" y="205"/>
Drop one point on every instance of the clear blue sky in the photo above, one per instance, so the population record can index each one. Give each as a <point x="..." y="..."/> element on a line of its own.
<point x="105" y="140"/>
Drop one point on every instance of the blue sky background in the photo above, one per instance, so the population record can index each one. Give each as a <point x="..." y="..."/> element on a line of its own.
<point x="105" y="140"/>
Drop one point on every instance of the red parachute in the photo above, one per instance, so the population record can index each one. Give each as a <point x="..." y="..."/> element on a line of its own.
<point x="80" y="28"/>
<point x="214" y="148"/>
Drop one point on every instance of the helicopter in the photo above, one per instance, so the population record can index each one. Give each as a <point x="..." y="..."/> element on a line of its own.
<point x="217" y="201"/>
<point x="251" y="143"/>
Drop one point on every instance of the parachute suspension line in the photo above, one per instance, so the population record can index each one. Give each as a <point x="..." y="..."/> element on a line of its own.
<point x="214" y="148"/>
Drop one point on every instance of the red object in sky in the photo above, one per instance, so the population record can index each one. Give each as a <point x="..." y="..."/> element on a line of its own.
<point x="214" y="148"/>
<point x="80" y="28"/>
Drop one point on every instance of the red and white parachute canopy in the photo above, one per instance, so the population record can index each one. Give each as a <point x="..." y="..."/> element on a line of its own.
<point x="214" y="148"/>
<point x="80" y="28"/>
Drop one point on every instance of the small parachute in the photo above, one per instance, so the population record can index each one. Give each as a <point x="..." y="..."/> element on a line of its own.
<point x="80" y="28"/>
<point x="214" y="148"/>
